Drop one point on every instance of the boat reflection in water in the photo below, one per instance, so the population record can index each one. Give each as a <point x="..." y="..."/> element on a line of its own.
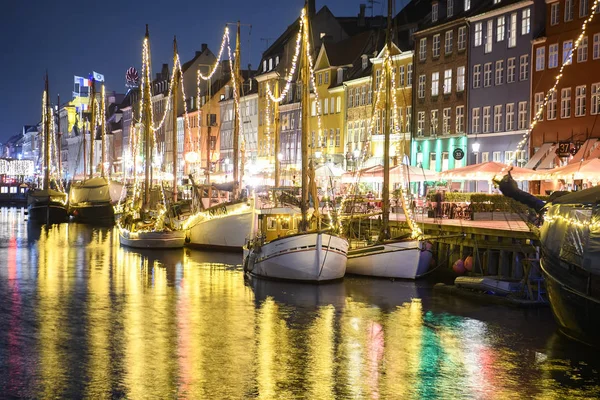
<point x="84" y="317"/>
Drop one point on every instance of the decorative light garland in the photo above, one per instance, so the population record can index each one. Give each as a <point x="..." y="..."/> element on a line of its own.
<point x="214" y="69"/>
<point x="290" y="75"/>
<point x="548" y="219"/>
<point x="540" y="111"/>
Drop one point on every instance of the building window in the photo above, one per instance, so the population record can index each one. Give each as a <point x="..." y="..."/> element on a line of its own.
<point x="583" y="8"/>
<point x="511" y="68"/>
<point x="338" y="138"/>
<point x="523" y="115"/>
<point x="526" y="21"/>
<point x="596" y="48"/>
<point x="500" y="29"/>
<point x="554" y="13"/>
<point x="365" y="61"/>
<point x="423" y="49"/>
<point x="408" y="118"/>
<point x="540" y="58"/>
<point x="435" y="83"/>
<point x="460" y="79"/>
<point x="567" y="52"/>
<point x="478" y="34"/>
<point x="485" y="157"/>
<point x="434" y="122"/>
<point x="499" y="72"/>
<point x="435" y="50"/>
<point x="432" y="160"/>
<point x="450" y="8"/>
<point x="338" y="106"/>
<point x="460" y="119"/>
<point x="467" y="5"/>
<point x="327" y="77"/>
<point x="486" y="119"/>
<point x="409" y="75"/>
<point x="445" y="161"/>
<point x="420" y="123"/>
<point x="487" y="75"/>
<point x="434" y="12"/>
<point x="350" y="100"/>
<point x="553" y="56"/>
<point x="462" y="38"/>
<point x="524" y="67"/>
<point x="448" y="81"/>
<point x="512" y="30"/>
<point x="363" y="97"/>
<point x="377" y="79"/>
<point x="477" y="76"/>
<point x="582" y="50"/>
<point x="421" y="90"/>
<point x="539" y="105"/>
<point x="510" y="117"/>
<point x="565" y="103"/>
<point x="595" y="99"/>
<point x="498" y="118"/>
<point x="475" y="114"/>
<point x="448" y="42"/>
<point x="568" y="10"/>
<point x="580" y="101"/>
<point x="326" y="110"/>
<point x="489" y="36"/>
<point x="446" y="121"/>
<point x="401" y="76"/>
<point x="320" y="79"/>
<point x="497" y="156"/>
<point x="551" y="106"/>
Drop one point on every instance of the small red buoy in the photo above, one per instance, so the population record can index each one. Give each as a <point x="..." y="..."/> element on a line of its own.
<point x="459" y="267"/>
<point x="469" y="263"/>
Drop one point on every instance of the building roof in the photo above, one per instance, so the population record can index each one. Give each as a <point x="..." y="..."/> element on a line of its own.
<point x="371" y="45"/>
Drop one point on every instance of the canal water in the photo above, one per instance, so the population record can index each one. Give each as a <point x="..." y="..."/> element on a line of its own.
<point x="82" y="317"/>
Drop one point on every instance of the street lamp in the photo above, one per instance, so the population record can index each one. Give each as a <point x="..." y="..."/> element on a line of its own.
<point x="476" y="146"/>
<point x="318" y="154"/>
<point x="279" y="156"/>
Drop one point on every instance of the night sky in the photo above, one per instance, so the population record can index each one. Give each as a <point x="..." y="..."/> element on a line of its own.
<point x="75" y="38"/>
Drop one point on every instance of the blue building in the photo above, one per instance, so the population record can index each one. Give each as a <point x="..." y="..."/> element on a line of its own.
<point x="500" y="65"/>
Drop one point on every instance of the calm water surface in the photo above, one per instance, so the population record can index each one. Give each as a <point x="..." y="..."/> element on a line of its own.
<point x="82" y="317"/>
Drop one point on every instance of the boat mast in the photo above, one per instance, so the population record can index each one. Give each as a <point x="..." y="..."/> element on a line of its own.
<point x="174" y="106"/>
<point x="277" y="144"/>
<point x="208" y="130"/>
<point x="385" y="207"/>
<point x="305" y="117"/>
<point x="46" y="184"/>
<point x="103" y="128"/>
<point x="92" y="126"/>
<point x="59" y="141"/>
<point x="236" y="115"/>
<point x="146" y="111"/>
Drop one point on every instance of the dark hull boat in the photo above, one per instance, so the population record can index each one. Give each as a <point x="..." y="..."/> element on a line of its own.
<point x="47" y="207"/>
<point x="570" y="262"/>
<point x="90" y="202"/>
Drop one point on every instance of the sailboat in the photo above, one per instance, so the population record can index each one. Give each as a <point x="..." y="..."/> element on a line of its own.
<point x="227" y="225"/>
<point x="140" y="225"/>
<point x="89" y="200"/>
<point x="287" y="245"/>
<point x="404" y="257"/>
<point x="47" y="205"/>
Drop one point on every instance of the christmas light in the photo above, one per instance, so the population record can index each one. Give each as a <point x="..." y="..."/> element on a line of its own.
<point x="214" y="68"/>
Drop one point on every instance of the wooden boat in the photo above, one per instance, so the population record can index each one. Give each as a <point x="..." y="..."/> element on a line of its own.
<point x="286" y="245"/>
<point x="142" y="224"/>
<point x="47" y="206"/>
<point x="405" y="257"/>
<point x="13" y="194"/>
<point x="89" y="202"/>
<point x="490" y="284"/>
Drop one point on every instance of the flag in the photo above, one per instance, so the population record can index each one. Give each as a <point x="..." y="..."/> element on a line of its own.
<point x="81" y="81"/>
<point x="98" y="77"/>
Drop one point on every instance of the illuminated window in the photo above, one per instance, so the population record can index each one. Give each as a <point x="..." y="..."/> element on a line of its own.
<point x="478" y="34"/>
<point x="448" y="42"/>
<point x="435" y="83"/>
<point x="500" y="29"/>
<point x="595" y="99"/>
<point x="580" y="101"/>
<point x="540" y="58"/>
<point x="565" y="103"/>
<point x="582" y="50"/>
<point x="462" y="38"/>
<point x="435" y="50"/>
<point x="551" y="106"/>
<point x="523" y="115"/>
<point x="526" y="22"/>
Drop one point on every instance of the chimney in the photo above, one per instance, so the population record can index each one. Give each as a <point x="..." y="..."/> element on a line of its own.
<point x="311" y="8"/>
<point x="165" y="71"/>
<point x="361" y="15"/>
<point x="204" y="47"/>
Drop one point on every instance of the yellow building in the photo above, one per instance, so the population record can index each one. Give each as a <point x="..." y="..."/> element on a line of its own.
<point x="402" y="67"/>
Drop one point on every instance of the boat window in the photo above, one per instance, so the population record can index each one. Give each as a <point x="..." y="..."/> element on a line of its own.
<point x="13" y="189"/>
<point x="4" y="189"/>
<point x="576" y="236"/>
<point x="285" y="223"/>
<point x="271" y="223"/>
<point x="23" y="190"/>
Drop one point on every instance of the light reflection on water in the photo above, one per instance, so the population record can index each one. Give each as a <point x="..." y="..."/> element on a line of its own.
<point x="82" y="317"/>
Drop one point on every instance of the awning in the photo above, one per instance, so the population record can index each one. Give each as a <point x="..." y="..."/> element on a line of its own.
<point x="583" y="151"/>
<point x="548" y="159"/>
<point x="537" y="157"/>
<point x="594" y="153"/>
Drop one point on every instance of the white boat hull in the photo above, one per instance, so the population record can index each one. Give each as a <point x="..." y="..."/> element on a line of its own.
<point x="407" y="259"/>
<point x="311" y="257"/>
<point x="225" y="232"/>
<point x="152" y="240"/>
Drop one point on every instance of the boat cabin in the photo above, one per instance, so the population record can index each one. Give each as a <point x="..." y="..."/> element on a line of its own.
<point x="13" y="194"/>
<point x="278" y="222"/>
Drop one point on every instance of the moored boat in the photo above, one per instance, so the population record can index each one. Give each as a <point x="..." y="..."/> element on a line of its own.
<point x="90" y="202"/>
